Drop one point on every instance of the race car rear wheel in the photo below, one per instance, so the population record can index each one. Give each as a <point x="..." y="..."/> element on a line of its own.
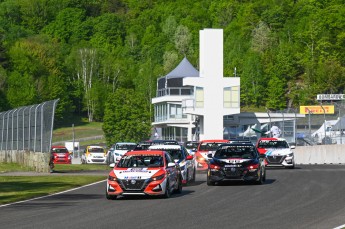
<point x="193" y="177"/>
<point x="261" y="179"/>
<point x="179" y="186"/>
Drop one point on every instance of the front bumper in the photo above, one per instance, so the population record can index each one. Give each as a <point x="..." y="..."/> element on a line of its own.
<point x="280" y="161"/>
<point x="93" y="160"/>
<point x="241" y="174"/>
<point x="136" y="187"/>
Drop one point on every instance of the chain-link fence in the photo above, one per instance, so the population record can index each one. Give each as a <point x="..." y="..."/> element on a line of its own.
<point x="323" y="124"/>
<point x="320" y="124"/>
<point x="28" y="128"/>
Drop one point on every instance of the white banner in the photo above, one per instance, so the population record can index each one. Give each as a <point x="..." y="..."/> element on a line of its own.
<point x="330" y="96"/>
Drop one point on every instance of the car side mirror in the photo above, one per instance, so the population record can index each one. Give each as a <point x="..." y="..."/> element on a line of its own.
<point x="209" y="155"/>
<point x="112" y="165"/>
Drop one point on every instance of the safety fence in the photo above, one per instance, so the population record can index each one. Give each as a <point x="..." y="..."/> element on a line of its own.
<point x="321" y="124"/>
<point x="324" y="124"/>
<point x="28" y="128"/>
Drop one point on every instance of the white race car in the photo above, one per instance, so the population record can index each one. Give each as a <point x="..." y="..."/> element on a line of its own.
<point x="118" y="150"/>
<point x="181" y="156"/>
<point x="278" y="152"/>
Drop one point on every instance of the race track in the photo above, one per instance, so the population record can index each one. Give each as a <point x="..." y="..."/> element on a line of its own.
<point x="310" y="196"/>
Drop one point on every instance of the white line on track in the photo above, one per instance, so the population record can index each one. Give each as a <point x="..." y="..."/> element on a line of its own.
<point x="340" y="227"/>
<point x="54" y="194"/>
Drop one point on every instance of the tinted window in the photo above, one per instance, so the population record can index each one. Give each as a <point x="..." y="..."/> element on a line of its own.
<point x="243" y="152"/>
<point x="210" y="146"/>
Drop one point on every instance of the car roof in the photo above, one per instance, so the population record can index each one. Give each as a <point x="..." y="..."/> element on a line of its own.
<point x="145" y="152"/>
<point x="165" y="147"/>
<point x="93" y="146"/>
<point x="55" y="147"/>
<point x="214" y="140"/>
<point x="240" y="143"/>
<point x="125" y="143"/>
<point x="272" y="139"/>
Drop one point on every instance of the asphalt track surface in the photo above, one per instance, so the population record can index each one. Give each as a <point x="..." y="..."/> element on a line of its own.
<point x="310" y="196"/>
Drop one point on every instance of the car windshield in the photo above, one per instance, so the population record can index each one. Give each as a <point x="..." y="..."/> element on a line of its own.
<point x="210" y="146"/>
<point x="244" y="152"/>
<point x="96" y="150"/>
<point x="140" y="161"/>
<point x="273" y="144"/>
<point x="191" y="145"/>
<point x="125" y="147"/>
<point x="60" y="150"/>
<point x="176" y="154"/>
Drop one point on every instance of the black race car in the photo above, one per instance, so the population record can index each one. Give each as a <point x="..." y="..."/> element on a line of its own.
<point x="236" y="161"/>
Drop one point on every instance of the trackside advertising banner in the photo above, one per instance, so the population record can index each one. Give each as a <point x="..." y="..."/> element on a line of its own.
<point x="327" y="109"/>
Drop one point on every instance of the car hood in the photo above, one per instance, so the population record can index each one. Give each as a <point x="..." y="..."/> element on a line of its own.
<point x="233" y="161"/>
<point x="135" y="173"/>
<point x="276" y="152"/>
<point x="120" y="151"/>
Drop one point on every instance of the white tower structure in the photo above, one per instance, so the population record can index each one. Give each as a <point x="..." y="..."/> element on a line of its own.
<point x="220" y="96"/>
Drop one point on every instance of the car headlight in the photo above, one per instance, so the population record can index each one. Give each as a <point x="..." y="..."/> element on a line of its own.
<point x="160" y="177"/>
<point x="112" y="178"/>
<point x="289" y="155"/>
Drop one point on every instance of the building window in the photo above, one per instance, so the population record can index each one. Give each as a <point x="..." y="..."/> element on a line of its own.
<point x="231" y="97"/>
<point x="176" y="112"/>
<point x="175" y="133"/>
<point x="199" y="97"/>
<point x="160" y="112"/>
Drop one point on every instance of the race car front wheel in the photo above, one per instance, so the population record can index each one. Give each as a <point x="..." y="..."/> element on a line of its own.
<point x="209" y="182"/>
<point x="261" y="179"/>
<point x="167" y="193"/>
<point x="110" y="197"/>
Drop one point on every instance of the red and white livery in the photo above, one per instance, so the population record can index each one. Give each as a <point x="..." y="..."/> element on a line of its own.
<point x="144" y="172"/>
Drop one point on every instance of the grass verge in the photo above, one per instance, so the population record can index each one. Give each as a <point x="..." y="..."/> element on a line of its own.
<point x="80" y="167"/>
<point x="18" y="188"/>
<point x="13" y="167"/>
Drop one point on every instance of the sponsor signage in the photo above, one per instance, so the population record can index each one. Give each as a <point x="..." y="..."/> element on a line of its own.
<point x="329" y="109"/>
<point x="330" y="96"/>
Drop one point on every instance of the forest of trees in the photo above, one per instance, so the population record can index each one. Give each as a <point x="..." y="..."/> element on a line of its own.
<point x="89" y="52"/>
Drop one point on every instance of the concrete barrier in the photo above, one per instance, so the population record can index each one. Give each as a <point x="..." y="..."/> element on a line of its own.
<point x="37" y="160"/>
<point x="320" y="154"/>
